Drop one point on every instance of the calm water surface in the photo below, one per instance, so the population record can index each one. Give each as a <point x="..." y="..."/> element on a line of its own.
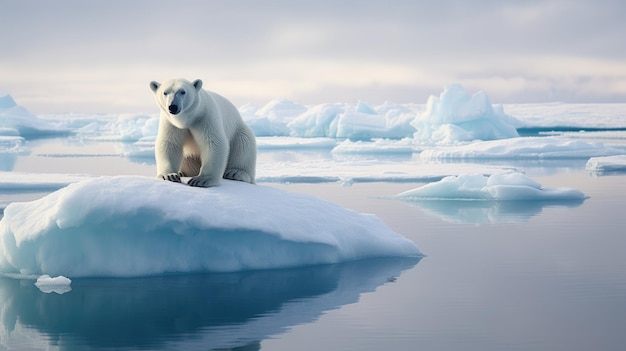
<point x="497" y="276"/>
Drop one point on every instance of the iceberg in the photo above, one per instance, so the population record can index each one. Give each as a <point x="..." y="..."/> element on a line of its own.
<point x="512" y="186"/>
<point x="138" y="226"/>
<point x="20" y="121"/>
<point x="455" y="117"/>
<point x="271" y="119"/>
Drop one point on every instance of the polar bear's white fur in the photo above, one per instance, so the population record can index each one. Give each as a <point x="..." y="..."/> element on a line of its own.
<point x="201" y="135"/>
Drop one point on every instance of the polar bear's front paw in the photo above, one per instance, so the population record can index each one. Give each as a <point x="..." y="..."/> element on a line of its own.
<point x="172" y="177"/>
<point x="203" y="182"/>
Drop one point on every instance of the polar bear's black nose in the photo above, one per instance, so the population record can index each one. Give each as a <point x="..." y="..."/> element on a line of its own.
<point x="173" y="109"/>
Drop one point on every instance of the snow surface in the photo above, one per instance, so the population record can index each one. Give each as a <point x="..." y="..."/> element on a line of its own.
<point x="608" y="164"/>
<point x="137" y="226"/>
<point x="498" y="187"/>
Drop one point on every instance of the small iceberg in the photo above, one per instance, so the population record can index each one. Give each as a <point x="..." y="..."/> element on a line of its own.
<point x="48" y="284"/>
<point x="139" y="226"/>
<point x="512" y="186"/>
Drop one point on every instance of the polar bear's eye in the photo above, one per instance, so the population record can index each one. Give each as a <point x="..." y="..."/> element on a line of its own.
<point x="182" y="92"/>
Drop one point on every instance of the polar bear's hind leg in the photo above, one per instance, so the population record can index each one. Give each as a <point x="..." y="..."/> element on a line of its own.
<point x="242" y="158"/>
<point x="238" y="174"/>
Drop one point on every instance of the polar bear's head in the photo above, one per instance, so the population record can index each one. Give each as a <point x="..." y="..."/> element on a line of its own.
<point x="175" y="97"/>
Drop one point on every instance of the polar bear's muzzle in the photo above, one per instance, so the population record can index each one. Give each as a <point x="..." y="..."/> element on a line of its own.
<point x="174" y="109"/>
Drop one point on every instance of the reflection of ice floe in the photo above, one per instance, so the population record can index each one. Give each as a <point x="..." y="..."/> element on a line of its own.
<point x="463" y="211"/>
<point x="607" y="165"/>
<point x="189" y="312"/>
<point x="522" y="148"/>
<point x="138" y="226"/>
<point x="497" y="187"/>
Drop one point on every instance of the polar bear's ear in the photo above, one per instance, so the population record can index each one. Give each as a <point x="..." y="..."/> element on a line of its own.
<point x="197" y="84"/>
<point x="154" y="86"/>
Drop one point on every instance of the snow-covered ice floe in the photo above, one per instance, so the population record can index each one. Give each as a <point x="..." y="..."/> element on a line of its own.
<point x="138" y="226"/>
<point x="607" y="164"/>
<point x="497" y="187"/>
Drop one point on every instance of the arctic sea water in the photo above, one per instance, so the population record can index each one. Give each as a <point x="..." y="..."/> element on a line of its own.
<point x="501" y="272"/>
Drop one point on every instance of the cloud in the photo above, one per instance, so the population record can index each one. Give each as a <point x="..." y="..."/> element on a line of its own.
<point x="100" y="55"/>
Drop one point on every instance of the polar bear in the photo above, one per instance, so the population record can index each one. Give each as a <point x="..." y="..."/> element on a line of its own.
<point x="201" y="135"/>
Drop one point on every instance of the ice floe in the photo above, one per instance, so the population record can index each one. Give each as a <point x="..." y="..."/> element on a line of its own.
<point x="497" y="187"/>
<point x="138" y="226"/>
<point x="607" y="164"/>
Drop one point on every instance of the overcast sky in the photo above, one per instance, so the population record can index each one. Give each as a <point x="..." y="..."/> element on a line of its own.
<point x="88" y="56"/>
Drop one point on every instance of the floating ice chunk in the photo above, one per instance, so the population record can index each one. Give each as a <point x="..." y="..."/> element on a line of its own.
<point x="607" y="164"/>
<point x="498" y="187"/>
<point x="138" y="226"/>
<point x="522" y="148"/>
<point x="455" y="116"/>
<point x="59" y="285"/>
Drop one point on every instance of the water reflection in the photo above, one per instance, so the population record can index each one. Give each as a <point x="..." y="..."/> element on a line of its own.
<point x="188" y="312"/>
<point x="478" y="212"/>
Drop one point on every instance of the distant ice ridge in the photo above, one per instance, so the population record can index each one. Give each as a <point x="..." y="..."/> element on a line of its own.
<point x="139" y="226"/>
<point x="498" y="187"/>
<point x="453" y="117"/>
<point x="523" y="148"/>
